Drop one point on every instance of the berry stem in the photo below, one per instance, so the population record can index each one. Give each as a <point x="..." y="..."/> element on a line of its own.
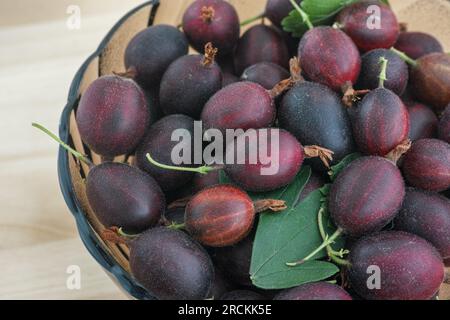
<point x="201" y="170"/>
<point x="175" y="226"/>
<point x="126" y="235"/>
<point x="337" y="25"/>
<point x="399" y="151"/>
<point x="295" y="70"/>
<point x="383" y="77"/>
<point x="351" y="95"/>
<point x="335" y="256"/>
<point x="253" y="19"/>
<point x="113" y="235"/>
<point x="286" y="84"/>
<point x="270" y="204"/>
<point x="404" y="57"/>
<point x="304" y="15"/>
<point x="207" y="14"/>
<point x="325" y="155"/>
<point x="75" y="153"/>
<point x="339" y="261"/>
<point x="329" y="241"/>
<point x="210" y="54"/>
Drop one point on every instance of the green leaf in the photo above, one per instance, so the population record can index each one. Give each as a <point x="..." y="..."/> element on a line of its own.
<point x="288" y="236"/>
<point x="288" y="277"/>
<point x="337" y="169"/>
<point x="386" y="2"/>
<point x="322" y="8"/>
<point x="294" y="24"/>
<point x="320" y="13"/>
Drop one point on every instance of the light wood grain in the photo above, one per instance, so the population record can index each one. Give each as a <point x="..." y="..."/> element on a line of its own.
<point x="38" y="237"/>
<point x="38" y="59"/>
<point x="41" y="272"/>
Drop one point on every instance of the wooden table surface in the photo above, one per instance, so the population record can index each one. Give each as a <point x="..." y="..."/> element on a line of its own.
<point x="38" y="238"/>
<point x="38" y="57"/>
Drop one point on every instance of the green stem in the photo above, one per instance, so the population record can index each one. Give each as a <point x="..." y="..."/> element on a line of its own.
<point x="253" y="19"/>
<point x="339" y="261"/>
<point x="175" y="226"/>
<point x="201" y="170"/>
<point x="404" y="57"/>
<point x="304" y="15"/>
<point x="335" y="256"/>
<point x="75" y="153"/>
<point x="383" y="76"/>
<point x="326" y="243"/>
<point x="320" y="222"/>
<point x="126" y="235"/>
<point x="337" y="25"/>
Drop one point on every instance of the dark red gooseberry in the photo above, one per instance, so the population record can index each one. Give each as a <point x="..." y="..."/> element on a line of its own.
<point x="120" y="195"/>
<point x="151" y="51"/>
<point x="159" y="144"/>
<point x="242" y="105"/>
<point x="315" y="115"/>
<point x="366" y="196"/>
<point x="112" y="116"/>
<point x="261" y="160"/>
<point x="260" y="43"/>
<point x="444" y="126"/>
<point x="430" y="80"/>
<point x="124" y="196"/>
<point x="266" y="74"/>
<point x="242" y="295"/>
<point x="220" y="216"/>
<point x="411" y="269"/>
<point x="423" y="121"/>
<point x="285" y="162"/>
<point x="418" y="44"/>
<point x="333" y="64"/>
<point x="314" y="291"/>
<point x="170" y="265"/>
<point x="188" y="84"/>
<point x="361" y="24"/>
<point x="277" y="10"/>
<point x="397" y="71"/>
<point x="214" y="21"/>
<point x="235" y="261"/>
<point x="380" y="122"/>
<point x="427" y="215"/>
<point x="427" y="165"/>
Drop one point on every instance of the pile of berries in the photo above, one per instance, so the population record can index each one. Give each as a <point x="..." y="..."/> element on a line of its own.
<point x="340" y="89"/>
